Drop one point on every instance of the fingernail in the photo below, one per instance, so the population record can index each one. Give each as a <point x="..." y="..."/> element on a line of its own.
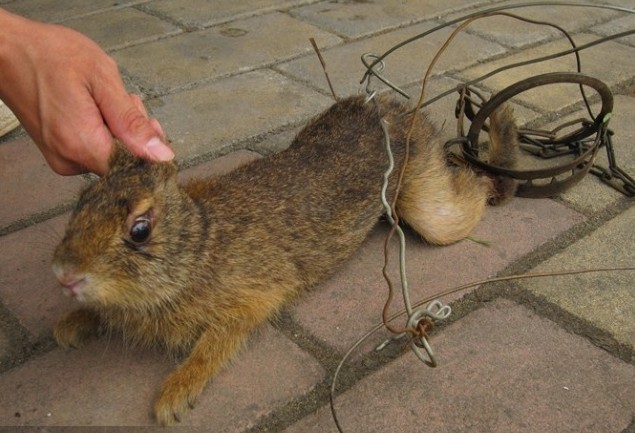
<point x="158" y="150"/>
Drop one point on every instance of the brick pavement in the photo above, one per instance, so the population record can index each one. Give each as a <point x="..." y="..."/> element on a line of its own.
<point x="233" y="81"/>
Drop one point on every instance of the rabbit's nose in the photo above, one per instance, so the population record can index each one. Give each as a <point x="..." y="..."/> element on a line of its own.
<point x="73" y="283"/>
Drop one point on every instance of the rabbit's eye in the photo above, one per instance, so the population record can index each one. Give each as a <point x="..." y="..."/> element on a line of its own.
<point x="140" y="230"/>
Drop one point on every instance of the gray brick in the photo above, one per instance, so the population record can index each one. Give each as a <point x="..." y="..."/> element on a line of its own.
<point x="502" y="369"/>
<point x="440" y="112"/>
<point x="404" y="66"/>
<point x="611" y="62"/>
<point x="606" y="300"/>
<point x="202" y="13"/>
<point x="617" y="26"/>
<point x="51" y="11"/>
<point x="122" y="27"/>
<point x="516" y="33"/>
<point x="227" y="49"/>
<point x="356" y="19"/>
<point x="209" y="119"/>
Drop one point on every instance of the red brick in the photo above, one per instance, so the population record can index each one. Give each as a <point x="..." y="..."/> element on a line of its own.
<point x="29" y="186"/>
<point x="107" y="384"/>
<point x="29" y="288"/>
<point x="502" y="370"/>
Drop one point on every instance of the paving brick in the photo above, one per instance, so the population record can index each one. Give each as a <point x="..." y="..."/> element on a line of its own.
<point x="119" y="28"/>
<point x="404" y="66"/>
<point x="624" y="8"/>
<point x="617" y="26"/>
<point x="106" y="384"/>
<point x="355" y="19"/>
<point x="71" y="429"/>
<point x="606" y="300"/>
<point x="201" y="13"/>
<point x="503" y="369"/>
<point x="610" y="62"/>
<point x="343" y="308"/>
<point x="28" y="287"/>
<point x="29" y="186"/>
<point x="210" y="118"/>
<point x="67" y="387"/>
<point x="227" y="49"/>
<point x="516" y="33"/>
<point x="50" y="10"/>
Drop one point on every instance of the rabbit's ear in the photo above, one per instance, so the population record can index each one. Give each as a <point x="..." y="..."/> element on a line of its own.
<point x="121" y="158"/>
<point x="166" y="170"/>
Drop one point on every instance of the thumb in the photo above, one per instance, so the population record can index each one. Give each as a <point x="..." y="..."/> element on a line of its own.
<point x="140" y="134"/>
<point x="128" y="121"/>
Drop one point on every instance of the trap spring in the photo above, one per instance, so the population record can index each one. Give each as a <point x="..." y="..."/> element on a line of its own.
<point x="576" y="142"/>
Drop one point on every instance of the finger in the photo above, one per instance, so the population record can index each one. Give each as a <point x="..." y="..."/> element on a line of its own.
<point x="157" y="127"/>
<point x="74" y="140"/>
<point x="83" y="137"/>
<point x="138" y="102"/>
<point x="154" y="148"/>
<point x="97" y="156"/>
<point x="127" y="121"/>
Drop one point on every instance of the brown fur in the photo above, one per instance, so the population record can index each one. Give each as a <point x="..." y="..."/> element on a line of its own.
<point x="226" y="253"/>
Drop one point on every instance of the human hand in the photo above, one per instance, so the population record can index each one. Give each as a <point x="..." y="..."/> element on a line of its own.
<point x="70" y="98"/>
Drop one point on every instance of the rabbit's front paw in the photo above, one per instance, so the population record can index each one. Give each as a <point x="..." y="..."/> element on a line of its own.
<point x="177" y="397"/>
<point x="181" y="389"/>
<point x="76" y="328"/>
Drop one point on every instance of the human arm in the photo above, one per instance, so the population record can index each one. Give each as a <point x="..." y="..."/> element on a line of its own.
<point x="70" y="98"/>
